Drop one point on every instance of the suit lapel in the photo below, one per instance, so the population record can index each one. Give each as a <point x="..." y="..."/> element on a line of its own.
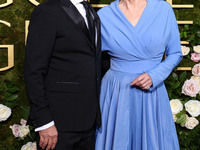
<point x="75" y="17"/>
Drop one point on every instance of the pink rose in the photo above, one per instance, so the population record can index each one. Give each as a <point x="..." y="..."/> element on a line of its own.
<point x="195" y="57"/>
<point x="196" y="70"/>
<point x="190" y="88"/>
<point x="23" y="122"/>
<point x="15" y="130"/>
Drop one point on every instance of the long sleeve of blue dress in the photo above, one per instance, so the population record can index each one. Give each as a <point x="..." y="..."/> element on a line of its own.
<point x="173" y="54"/>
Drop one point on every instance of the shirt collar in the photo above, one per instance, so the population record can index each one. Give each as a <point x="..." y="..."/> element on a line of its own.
<point x="77" y="1"/>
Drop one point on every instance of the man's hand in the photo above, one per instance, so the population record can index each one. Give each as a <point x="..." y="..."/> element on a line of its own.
<point x="48" y="138"/>
<point x="144" y="81"/>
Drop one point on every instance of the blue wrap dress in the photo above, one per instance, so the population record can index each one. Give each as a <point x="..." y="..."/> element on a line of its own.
<point x="132" y="118"/>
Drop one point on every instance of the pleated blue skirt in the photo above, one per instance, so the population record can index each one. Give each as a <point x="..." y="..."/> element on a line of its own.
<point x="132" y="118"/>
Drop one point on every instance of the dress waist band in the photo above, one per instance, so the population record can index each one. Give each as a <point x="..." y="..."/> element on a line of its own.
<point x="140" y="66"/>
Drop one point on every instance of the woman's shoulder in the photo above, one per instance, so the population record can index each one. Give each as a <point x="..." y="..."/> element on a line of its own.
<point x="106" y="9"/>
<point x="164" y="4"/>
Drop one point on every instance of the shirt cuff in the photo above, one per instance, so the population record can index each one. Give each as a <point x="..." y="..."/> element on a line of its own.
<point x="46" y="126"/>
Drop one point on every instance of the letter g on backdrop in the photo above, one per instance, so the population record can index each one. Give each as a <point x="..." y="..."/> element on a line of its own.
<point x="10" y="48"/>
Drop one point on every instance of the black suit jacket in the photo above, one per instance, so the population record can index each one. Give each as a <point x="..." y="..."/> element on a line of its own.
<point x="62" y="68"/>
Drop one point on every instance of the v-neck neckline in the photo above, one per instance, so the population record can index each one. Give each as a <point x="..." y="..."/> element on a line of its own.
<point x="140" y="19"/>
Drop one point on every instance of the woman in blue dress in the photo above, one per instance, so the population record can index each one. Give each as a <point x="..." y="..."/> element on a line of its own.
<point x="135" y="107"/>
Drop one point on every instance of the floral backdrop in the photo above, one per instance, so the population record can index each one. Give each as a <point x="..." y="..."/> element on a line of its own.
<point x="183" y="86"/>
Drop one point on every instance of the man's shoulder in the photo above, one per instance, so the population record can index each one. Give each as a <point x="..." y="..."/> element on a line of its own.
<point x="48" y="5"/>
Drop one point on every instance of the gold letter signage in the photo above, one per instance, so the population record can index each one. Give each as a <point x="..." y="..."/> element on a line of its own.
<point x="6" y="4"/>
<point x="10" y="56"/>
<point x="34" y="2"/>
<point x="10" y="50"/>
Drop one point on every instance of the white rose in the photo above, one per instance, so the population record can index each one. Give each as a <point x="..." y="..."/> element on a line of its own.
<point x="196" y="70"/>
<point x="23" y="131"/>
<point x="5" y="112"/>
<point x="197" y="79"/>
<point x="196" y="49"/>
<point x="27" y="146"/>
<point x="175" y="118"/>
<point x="185" y="50"/>
<point x="176" y="106"/>
<point x="193" y="108"/>
<point x="33" y="146"/>
<point x="191" y="123"/>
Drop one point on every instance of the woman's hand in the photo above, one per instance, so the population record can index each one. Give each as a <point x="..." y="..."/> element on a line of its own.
<point x="144" y="81"/>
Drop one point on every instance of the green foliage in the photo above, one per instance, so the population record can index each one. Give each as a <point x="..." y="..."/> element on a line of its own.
<point x="191" y="34"/>
<point x="174" y="84"/>
<point x="189" y="139"/>
<point x="25" y="111"/>
<point x="181" y="119"/>
<point x="9" y="94"/>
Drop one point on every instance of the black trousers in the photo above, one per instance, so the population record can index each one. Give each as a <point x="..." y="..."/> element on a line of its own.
<point x="84" y="140"/>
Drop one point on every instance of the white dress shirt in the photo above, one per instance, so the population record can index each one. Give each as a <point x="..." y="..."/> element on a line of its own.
<point x="81" y="9"/>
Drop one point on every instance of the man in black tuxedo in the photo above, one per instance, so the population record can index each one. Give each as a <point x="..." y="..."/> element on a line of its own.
<point x="62" y="74"/>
